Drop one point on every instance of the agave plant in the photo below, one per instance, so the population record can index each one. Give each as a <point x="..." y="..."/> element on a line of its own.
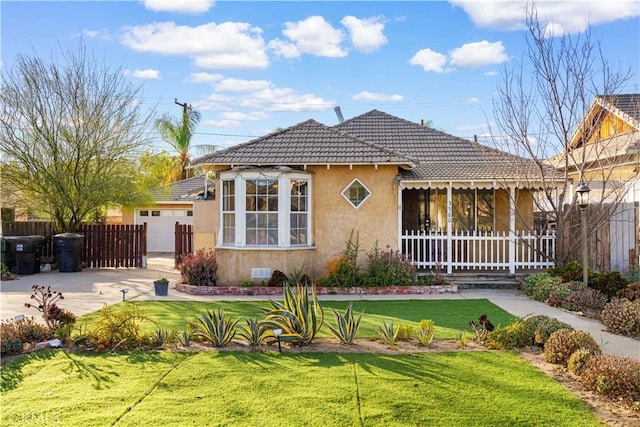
<point x="346" y="325"/>
<point x="185" y="338"/>
<point x="299" y="316"/>
<point x="164" y="336"/>
<point x="213" y="327"/>
<point x="388" y="333"/>
<point x="253" y="332"/>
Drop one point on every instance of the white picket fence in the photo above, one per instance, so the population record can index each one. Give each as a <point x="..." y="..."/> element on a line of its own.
<point x="476" y="250"/>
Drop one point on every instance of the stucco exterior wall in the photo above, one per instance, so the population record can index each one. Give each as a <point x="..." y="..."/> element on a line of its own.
<point x="333" y="218"/>
<point x="205" y="223"/>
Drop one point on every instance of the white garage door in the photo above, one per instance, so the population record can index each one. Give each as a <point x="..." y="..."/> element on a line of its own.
<point x="161" y="226"/>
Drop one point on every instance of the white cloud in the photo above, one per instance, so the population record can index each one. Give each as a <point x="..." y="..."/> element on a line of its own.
<point x="372" y="96"/>
<point x="229" y="45"/>
<point x="284" y="49"/>
<point x="205" y="78"/>
<point x="473" y="128"/>
<point x="222" y="123"/>
<point x="472" y="100"/>
<point x="179" y="6"/>
<point x="231" y="94"/>
<point x="570" y="16"/>
<point x="477" y="54"/>
<point x="315" y="36"/>
<point x="366" y="34"/>
<point x="491" y="73"/>
<point x="239" y="116"/>
<point x="240" y="85"/>
<point x="429" y="60"/>
<point x="148" y="74"/>
<point x="97" y="34"/>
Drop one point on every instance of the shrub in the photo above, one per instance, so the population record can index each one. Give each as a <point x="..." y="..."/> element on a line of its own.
<point x="609" y="283"/>
<point x="631" y="292"/>
<point x="617" y="377"/>
<point x="117" y="330"/>
<point x="405" y="332"/>
<point x="44" y="300"/>
<point x="519" y="333"/>
<point x="199" y="268"/>
<point x="622" y="317"/>
<point x="564" y="342"/>
<point x="389" y="268"/>
<point x="571" y="271"/>
<point x="278" y="279"/>
<point x="560" y="294"/>
<point x="633" y="276"/>
<point x="213" y="327"/>
<point x="588" y="299"/>
<point x="14" y="333"/>
<point x="539" y="286"/>
<point x="578" y="360"/>
<point x="5" y="273"/>
<point x="299" y="317"/>
<point x="546" y="327"/>
<point x="425" y="333"/>
<point x="346" y="326"/>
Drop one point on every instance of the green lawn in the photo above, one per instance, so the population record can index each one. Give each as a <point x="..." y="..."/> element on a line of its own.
<point x="486" y="388"/>
<point x="450" y="316"/>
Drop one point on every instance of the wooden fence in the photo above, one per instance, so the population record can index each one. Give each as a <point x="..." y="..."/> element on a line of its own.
<point x="103" y="246"/>
<point x="114" y="245"/>
<point x="184" y="241"/>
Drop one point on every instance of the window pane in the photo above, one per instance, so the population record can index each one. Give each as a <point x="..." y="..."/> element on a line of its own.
<point x="229" y="228"/>
<point x="485" y="210"/>
<point x="463" y="209"/>
<point x="356" y="193"/>
<point x="228" y="196"/>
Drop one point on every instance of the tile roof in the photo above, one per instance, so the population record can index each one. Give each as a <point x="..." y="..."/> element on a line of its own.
<point x="442" y="156"/>
<point x="625" y="105"/>
<point x="185" y="190"/>
<point x="378" y="138"/>
<point x="307" y="143"/>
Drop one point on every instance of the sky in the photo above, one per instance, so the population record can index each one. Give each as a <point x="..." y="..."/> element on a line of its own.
<point x="253" y="67"/>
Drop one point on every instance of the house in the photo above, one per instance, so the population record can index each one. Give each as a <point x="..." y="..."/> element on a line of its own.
<point x="289" y="200"/>
<point x="605" y="154"/>
<point x="171" y="203"/>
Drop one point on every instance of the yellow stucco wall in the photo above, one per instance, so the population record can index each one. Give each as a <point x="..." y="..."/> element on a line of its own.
<point x="333" y="218"/>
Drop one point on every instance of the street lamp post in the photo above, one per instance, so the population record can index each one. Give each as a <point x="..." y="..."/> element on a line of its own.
<point x="582" y="194"/>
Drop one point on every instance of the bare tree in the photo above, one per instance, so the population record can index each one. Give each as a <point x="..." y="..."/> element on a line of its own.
<point x="542" y="100"/>
<point x="70" y="132"/>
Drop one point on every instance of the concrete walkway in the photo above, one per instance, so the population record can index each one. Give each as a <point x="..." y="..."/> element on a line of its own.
<point x="89" y="290"/>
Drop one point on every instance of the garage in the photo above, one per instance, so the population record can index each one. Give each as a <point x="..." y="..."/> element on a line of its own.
<point x="161" y="226"/>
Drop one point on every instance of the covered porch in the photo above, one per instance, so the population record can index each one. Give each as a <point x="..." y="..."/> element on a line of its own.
<point x="457" y="227"/>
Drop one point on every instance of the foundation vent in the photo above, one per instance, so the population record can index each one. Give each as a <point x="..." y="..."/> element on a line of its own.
<point x="260" y="273"/>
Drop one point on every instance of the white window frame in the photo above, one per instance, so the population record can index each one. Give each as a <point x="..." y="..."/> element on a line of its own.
<point x="284" y="208"/>
<point x="347" y="197"/>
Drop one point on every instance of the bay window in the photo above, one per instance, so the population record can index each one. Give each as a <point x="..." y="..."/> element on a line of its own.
<point x="265" y="210"/>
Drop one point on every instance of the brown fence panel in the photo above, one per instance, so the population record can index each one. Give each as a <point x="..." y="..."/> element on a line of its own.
<point x="114" y="245"/>
<point x="184" y="241"/>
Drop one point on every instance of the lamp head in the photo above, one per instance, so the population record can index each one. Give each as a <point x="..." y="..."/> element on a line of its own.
<point x="582" y="194"/>
<point x="277" y="332"/>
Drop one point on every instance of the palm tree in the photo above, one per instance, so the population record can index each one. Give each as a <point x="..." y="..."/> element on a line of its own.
<point x="178" y="134"/>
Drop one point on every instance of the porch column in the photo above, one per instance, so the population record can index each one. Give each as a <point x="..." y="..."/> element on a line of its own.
<point x="449" y="231"/>
<point x="512" y="230"/>
<point x="399" y="219"/>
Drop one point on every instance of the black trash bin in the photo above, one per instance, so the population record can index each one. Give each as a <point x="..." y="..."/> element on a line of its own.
<point x="68" y="248"/>
<point x="24" y="254"/>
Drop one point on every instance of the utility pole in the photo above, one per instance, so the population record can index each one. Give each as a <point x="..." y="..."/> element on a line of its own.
<point x="185" y="111"/>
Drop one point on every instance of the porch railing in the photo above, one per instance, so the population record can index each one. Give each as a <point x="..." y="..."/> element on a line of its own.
<point x="479" y="250"/>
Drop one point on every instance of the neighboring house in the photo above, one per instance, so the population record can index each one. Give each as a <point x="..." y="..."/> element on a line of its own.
<point x="290" y="200"/>
<point x="172" y="203"/>
<point x="605" y="153"/>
